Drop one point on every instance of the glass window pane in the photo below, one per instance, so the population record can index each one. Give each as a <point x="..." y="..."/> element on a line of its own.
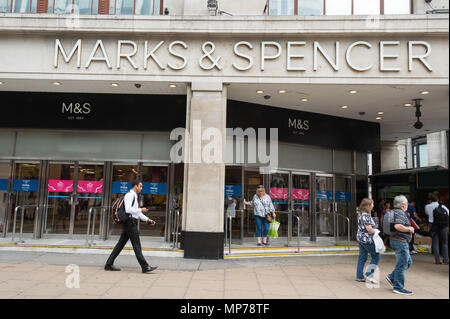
<point x="95" y="6"/>
<point x="397" y="6"/>
<point x="338" y="7"/>
<point x="366" y="7"/>
<point x="50" y="6"/>
<point x="63" y="6"/>
<point x="144" y="7"/>
<point x="5" y="5"/>
<point x="83" y="6"/>
<point x="310" y="7"/>
<point x="112" y="6"/>
<point x="21" y="6"/>
<point x="281" y="7"/>
<point x="423" y="155"/>
<point x="157" y="5"/>
<point x="34" y="6"/>
<point x="124" y="6"/>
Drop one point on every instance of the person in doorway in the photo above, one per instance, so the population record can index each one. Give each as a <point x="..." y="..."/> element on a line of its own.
<point x="364" y="235"/>
<point x="231" y="211"/>
<point x="438" y="233"/>
<point x="387" y="208"/>
<point x="262" y="207"/>
<point x="413" y="215"/>
<point x="400" y="243"/>
<point x="130" y="230"/>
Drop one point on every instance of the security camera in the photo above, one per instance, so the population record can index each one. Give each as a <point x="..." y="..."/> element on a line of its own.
<point x="418" y="125"/>
<point x="137" y="85"/>
<point x="267" y="97"/>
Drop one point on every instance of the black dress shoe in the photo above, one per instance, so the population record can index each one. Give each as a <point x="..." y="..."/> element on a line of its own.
<point x="148" y="269"/>
<point x="111" y="268"/>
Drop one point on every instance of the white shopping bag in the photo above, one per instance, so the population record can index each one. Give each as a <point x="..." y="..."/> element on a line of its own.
<point x="379" y="245"/>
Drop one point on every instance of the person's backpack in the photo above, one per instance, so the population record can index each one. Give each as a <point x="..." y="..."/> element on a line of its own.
<point x="118" y="213"/>
<point x="388" y="220"/>
<point x="440" y="217"/>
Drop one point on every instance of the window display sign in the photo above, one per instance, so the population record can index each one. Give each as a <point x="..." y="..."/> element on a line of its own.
<point x="3" y="184"/>
<point x="324" y="195"/>
<point x="301" y="194"/>
<point x="60" y="186"/>
<point x="233" y="190"/>
<point x="280" y="193"/>
<point x="343" y="197"/>
<point x="154" y="188"/>
<point x="121" y="187"/>
<point x="90" y="187"/>
<point x="25" y="185"/>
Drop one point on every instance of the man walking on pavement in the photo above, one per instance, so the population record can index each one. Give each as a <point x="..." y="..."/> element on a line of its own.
<point x="130" y="230"/>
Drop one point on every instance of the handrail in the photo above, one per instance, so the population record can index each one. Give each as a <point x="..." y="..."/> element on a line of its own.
<point x="230" y="231"/>
<point x="175" y="230"/>
<point x="91" y="210"/>
<point x="21" y="222"/>
<point x="348" y="224"/>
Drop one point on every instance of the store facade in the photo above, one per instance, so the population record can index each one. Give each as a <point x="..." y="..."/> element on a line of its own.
<point x="91" y="111"/>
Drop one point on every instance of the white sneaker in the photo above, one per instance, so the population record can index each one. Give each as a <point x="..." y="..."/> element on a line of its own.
<point x="372" y="280"/>
<point x="413" y="252"/>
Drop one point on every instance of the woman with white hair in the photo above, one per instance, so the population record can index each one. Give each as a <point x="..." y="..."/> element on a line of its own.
<point x="402" y="235"/>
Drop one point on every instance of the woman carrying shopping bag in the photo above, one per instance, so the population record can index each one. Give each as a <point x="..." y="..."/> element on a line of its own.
<point x="364" y="236"/>
<point x="264" y="213"/>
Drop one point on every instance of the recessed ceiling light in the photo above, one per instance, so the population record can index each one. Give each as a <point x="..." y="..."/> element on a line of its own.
<point x="352" y="91"/>
<point x="425" y="92"/>
<point x="1" y="82"/>
<point x="380" y="113"/>
<point x="379" y="118"/>
<point x="114" y="84"/>
<point x="304" y="100"/>
<point x="260" y="91"/>
<point x="282" y="91"/>
<point x="407" y="104"/>
<point x="172" y="86"/>
<point x="344" y="107"/>
<point x="56" y="83"/>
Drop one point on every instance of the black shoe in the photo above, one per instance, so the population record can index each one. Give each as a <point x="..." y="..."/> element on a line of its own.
<point x="111" y="268"/>
<point x="148" y="269"/>
<point x="266" y="244"/>
<point x="437" y="263"/>
<point x="259" y="244"/>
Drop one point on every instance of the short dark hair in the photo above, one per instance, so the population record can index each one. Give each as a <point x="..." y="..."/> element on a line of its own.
<point x="434" y="198"/>
<point x="136" y="182"/>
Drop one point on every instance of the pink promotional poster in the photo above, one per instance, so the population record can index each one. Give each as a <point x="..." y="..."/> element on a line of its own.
<point x="90" y="187"/>
<point x="281" y="193"/>
<point x="302" y="194"/>
<point x="60" y="186"/>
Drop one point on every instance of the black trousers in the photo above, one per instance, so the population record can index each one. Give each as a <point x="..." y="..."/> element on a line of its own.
<point x="129" y="231"/>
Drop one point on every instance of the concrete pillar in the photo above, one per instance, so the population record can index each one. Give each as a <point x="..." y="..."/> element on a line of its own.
<point x="204" y="178"/>
<point x="389" y="156"/>
<point x="437" y="149"/>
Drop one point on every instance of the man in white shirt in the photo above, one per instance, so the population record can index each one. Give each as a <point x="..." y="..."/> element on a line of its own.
<point x="130" y="230"/>
<point x="439" y="235"/>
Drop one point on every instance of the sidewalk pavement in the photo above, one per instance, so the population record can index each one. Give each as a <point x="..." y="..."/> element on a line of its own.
<point x="27" y="275"/>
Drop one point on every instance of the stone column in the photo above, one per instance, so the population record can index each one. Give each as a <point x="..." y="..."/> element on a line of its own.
<point x="204" y="173"/>
<point x="389" y="156"/>
<point x="437" y="149"/>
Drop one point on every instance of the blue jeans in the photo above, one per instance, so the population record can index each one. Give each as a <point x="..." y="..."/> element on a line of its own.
<point x="262" y="226"/>
<point x="364" y="251"/>
<point x="404" y="261"/>
<point x="440" y="236"/>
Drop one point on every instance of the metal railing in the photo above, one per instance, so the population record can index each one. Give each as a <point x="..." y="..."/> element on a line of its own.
<point x="348" y="225"/>
<point x="228" y="232"/>
<point x="92" y="212"/>
<point x="21" y="222"/>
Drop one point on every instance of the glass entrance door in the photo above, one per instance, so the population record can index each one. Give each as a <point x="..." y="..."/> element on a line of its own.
<point x="343" y="204"/>
<point x="279" y="193"/>
<point x="301" y="204"/>
<point x="325" y="220"/>
<point x="59" y="203"/>
<point x="154" y="197"/>
<point x="25" y="188"/>
<point x="89" y="194"/>
<point x="251" y="181"/>
<point x="233" y="196"/>
<point x="5" y="169"/>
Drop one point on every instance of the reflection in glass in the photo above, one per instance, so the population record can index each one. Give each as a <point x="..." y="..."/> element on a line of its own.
<point x="63" y="6"/>
<point x="21" y="6"/>
<point x="397" y="6"/>
<point x="366" y="7"/>
<point x="144" y="7"/>
<point x="84" y="6"/>
<point x="124" y="6"/>
<point x="339" y="7"/>
<point x="310" y="7"/>
<point x="5" y="5"/>
<point x="281" y="7"/>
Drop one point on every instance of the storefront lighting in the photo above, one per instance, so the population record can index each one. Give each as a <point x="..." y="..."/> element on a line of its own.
<point x="344" y="107"/>
<point x="282" y="91"/>
<point x="304" y="100"/>
<point x="425" y="92"/>
<point x="380" y="113"/>
<point x="1" y="83"/>
<point x="172" y="86"/>
<point x="114" y="84"/>
<point x="379" y="118"/>
<point x="353" y="92"/>
<point x="56" y="83"/>
<point x="260" y="91"/>
<point x="407" y="104"/>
